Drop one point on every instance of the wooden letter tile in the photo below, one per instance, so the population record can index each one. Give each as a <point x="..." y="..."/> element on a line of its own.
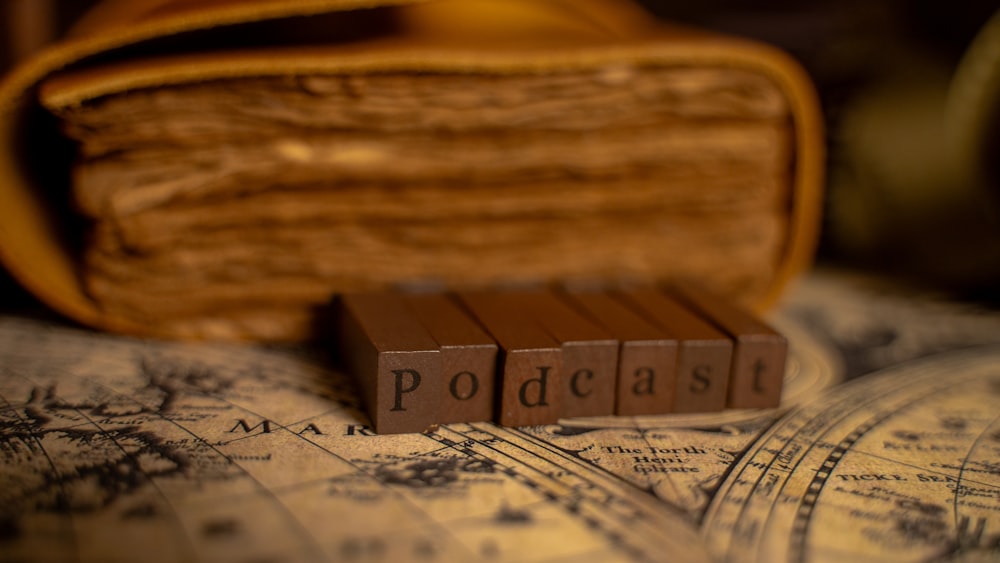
<point x="531" y="361"/>
<point x="468" y="359"/>
<point x="758" y="369"/>
<point x="589" y="353"/>
<point x="647" y="364"/>
<point x="703" y="356"/>
<point x="394" y="359"/>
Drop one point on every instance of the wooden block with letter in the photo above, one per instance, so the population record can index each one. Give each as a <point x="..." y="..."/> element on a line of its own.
<point x="534" y="356"/>
<point x="647" y="364"/>
<point x="704" y="353"/>
<point x="758" y="368"/>
<point x="394" y="359"/>
<point x="531" y="381"/>
<point x="468" y="359"/>
<point x="589" y="353"/>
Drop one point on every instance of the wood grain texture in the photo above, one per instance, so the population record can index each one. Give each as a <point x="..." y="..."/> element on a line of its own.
<point x="589" y="353"/>
<point x="704" y="355"/>
<point x="532" y="374"/>
<point x="394" y="360"/>
<point x="759" y="352"/>
<point x="468" y="359"/>
<point x="647" y="365"/>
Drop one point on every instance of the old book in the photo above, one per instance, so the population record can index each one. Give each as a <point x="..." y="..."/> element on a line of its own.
<point x="235" y="164"/>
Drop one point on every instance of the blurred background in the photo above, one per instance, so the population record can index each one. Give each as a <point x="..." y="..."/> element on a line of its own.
<point x="911" y="97"/>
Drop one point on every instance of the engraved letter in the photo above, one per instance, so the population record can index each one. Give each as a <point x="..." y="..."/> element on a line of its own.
<point x="701" y="381"/>
<point x="644" y="381"/>
<point x="541" y="381"/>
<point x="414" y="383"/>
<point x="574" y="382"/>
<point x="473" y="386"/>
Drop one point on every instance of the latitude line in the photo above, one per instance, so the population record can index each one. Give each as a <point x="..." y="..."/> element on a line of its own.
<point x="177" y="521"/>
<point x="607" y="478"/>
<point x="965" y="462"/>
<point x="842" y="406"/>
<point x="924" y="372"/>
<point x="799" y="531"/>
<point x="737" y="457"/>
<point x="939" y="472"/>
<point x="529" y="438"/>
<point x="595" y="469"/>
<point x="339" y="457"/>
<point x="311" y="540"/>
<point x="463" y="446"/>
<point x="539" y="485"/>
<point x="564" y="503"/>
<point x="807" y="503"/>
<point x="517" y="462"/>
<point x="75" y="542"/>
<point x="760" y="445"/>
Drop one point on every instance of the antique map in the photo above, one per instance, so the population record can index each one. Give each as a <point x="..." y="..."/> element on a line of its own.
<point x="887" y="448"/>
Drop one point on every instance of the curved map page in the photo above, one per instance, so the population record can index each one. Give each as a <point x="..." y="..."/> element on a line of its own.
<point x="905" y="464"/>
<point x="116" y="449"/>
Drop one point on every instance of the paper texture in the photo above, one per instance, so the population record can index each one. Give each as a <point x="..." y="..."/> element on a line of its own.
<point x="113" y="449"/>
